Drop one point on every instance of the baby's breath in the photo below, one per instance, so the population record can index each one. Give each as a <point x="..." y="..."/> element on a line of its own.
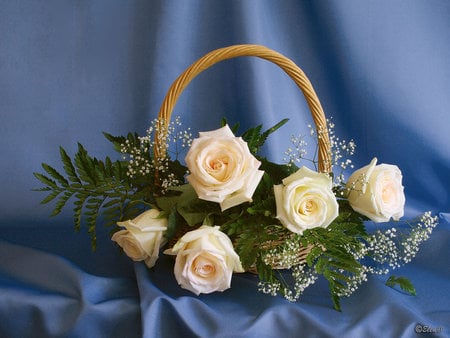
<point x="340" y="151"/>
<point x="141" y="161"/>
<point x="353" y="282"/>
<point x="419" y="234"/>
<point x="388" y="249"/>
<point x="303" y="278"/>
<point x="285" y="255"/>
<point x="391" y="249"/>
<point x="270" y="288"/>
<point x="296" y="153"/>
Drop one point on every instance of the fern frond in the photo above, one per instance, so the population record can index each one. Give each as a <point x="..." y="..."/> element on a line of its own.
<point x="50" y="197"/>
<point x="117" y="141"/>
<point x="78" y="209"/>
<point x="55" y="174"/>
<point x="62" y="202"/>
<point x="46" y="180"/>
<point x="256" y="139"/>
<point x="68" y="166"/>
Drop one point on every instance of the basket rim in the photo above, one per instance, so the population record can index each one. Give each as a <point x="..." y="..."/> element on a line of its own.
<point x="233" y="51"/>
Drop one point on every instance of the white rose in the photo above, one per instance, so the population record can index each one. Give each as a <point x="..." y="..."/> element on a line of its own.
<point x="376" y="191"/>
<point x="222" y="169"/>
<point x="142" y="237"/>
<point x="305" y="201"/>
<point x="205" y="260"/>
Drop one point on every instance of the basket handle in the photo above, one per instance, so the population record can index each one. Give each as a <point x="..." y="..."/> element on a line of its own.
<point x="215" y="56"/>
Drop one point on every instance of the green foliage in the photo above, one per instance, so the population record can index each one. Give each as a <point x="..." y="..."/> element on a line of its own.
<point x="250" y="237"/>
<point x="403" y="283"/>
<point x="102" y="191"/>
<point x="256" y="139"/>
<point x="276" y="172"/>
<point x="119" y="141"/>
<point x="332" y="252"/>
<point x="183" y="204"/>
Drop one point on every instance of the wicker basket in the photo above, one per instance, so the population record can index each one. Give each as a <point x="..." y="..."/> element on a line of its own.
<point x="299" y="77"/>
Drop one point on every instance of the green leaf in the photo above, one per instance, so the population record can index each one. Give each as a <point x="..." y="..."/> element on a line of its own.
<point x="256" y="139"/>
<point x="55" y="174"/>
<point x="265" y="272"/>
<point x="50" y="197"/>
<point x="189" y="206"/>
<point x="167" y="203"/>
<point x="42" y="189"/>
<point x="132" y="208"/>
<point x="403" y="283"/>
<point x="91" y="182"/>
<point x="112" y="202"/>
<point x="62" y="202"/>
<point x="117" y="141"/>
<point x="112" y="215"/>
<point x="233" y="128"/>
<point x="173" y="225"/>
<point x="336" y="302"/>
<point x="68" y="166"/>
<point x="265" y="207"/>
<point x="274" y="128"/>
<point x="83" y="165"/>
<point x="209" y="220"/>
<point x="253" y="138"/>
<point x="276" y="172"/>
<point x="46" y="180"/>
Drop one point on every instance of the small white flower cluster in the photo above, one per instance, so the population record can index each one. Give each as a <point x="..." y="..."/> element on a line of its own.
<point x="385" y="248"/>
<point x="295" y="154"/>
<point x="170" y="135"/>
<point x="303" y="277"/>
<point x="289" y="256"/>
<point x="141" y="161"/>
<point x="341" y="150"/>
<point x="269" y="288"/>
<point x="419" y="234"/>
<point x="286" y="255"/>
<point x="392" y="250"/>
<point x="361" y="181"/>
<point x="179" y="138"/>
<point x="353" y="282"/>
<point x="382" y="247"/>
<point x="389" y="249"/>
<point x="138" y="163"/>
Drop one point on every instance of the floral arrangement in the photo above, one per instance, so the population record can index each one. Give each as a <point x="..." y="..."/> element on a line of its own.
<point x="227" y="209"/>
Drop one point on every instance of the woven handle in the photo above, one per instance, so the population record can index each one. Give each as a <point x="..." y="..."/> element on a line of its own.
<point x="299" y="77"/>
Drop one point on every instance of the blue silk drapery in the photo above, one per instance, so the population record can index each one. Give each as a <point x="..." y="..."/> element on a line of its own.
<point x="70" y="70"/>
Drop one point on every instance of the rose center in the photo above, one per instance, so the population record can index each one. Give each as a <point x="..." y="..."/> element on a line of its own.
<point x="217" y="164"/>
<point x="307" y="207"/>
<point x="203" y="267"/>
<point x="217" y="167"/>
<point x="387" y="194"/>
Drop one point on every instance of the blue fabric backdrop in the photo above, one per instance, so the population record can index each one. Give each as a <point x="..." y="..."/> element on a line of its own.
<point x="71" y="69"/>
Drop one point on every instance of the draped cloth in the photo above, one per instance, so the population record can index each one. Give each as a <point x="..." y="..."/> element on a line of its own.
<point x="70" y="70"/>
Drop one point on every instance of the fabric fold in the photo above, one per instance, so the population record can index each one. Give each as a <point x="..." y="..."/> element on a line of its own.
<point x="43" y="295"/>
